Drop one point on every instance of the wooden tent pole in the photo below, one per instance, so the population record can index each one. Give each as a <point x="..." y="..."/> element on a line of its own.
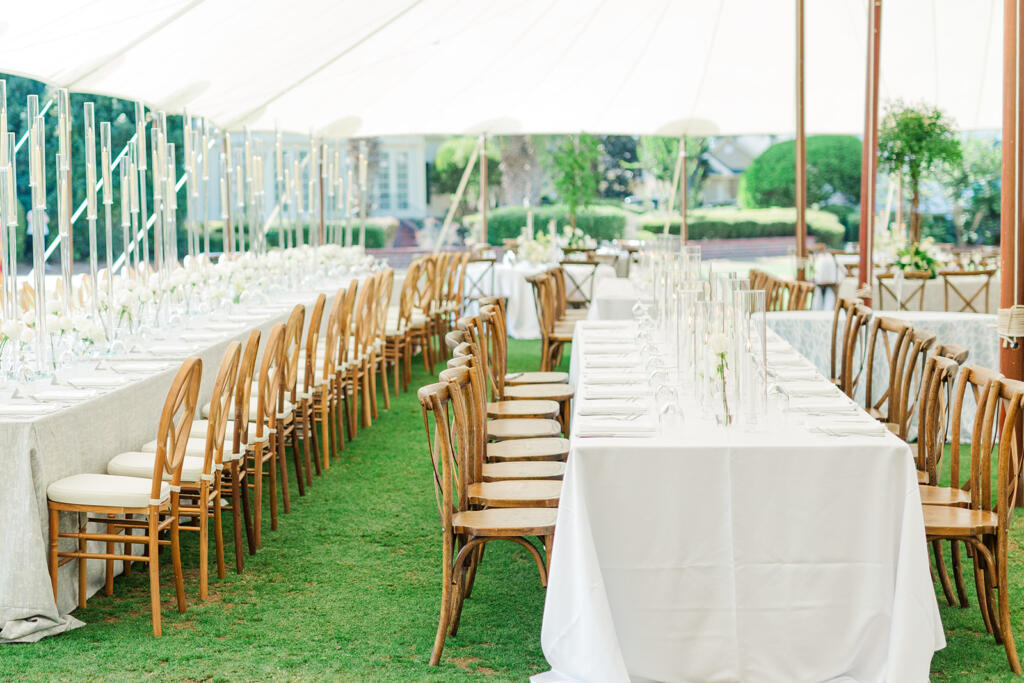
<point x="1011" y="360"/>
<point x="683" y="202"/>
<point x="801" y="149"/>
<point x="869" y="158"/>
<point x="456" y="200"/>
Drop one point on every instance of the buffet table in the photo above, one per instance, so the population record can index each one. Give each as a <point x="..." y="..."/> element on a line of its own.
<point x="696" y="552"/>
<point x="82" y="437"/>
<point x="510" y="282"/>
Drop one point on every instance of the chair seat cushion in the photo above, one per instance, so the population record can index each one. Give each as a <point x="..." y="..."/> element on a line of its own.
<point x="522" y="428"/>
<point x="289" y="407"/>
<point x="140" y="464"/>
<point x="199" y="428"/>
<point x="555" y="448"/>
<point x="538" y="469"/>
<point x="104" y="490"/>
<point x="514" y="378"/>
<point x="506" y="522"/>
<point x="512" y="409"/>
<point x="197" y="446"/>
<point x="550" y="392"/>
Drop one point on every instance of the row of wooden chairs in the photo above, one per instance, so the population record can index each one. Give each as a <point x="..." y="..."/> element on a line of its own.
<point x="305" y="391"/>
<point x="928" y="380"/>
<point x="497" y="463"/>
<point x="781" y="294"/>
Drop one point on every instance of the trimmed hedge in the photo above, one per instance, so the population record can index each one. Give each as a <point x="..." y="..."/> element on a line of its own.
<point x="378" y="235"/>
<point x="600" y="222"/>
<point x="732" y="223"/>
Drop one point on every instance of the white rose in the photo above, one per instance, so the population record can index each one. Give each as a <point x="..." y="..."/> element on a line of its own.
<point x="52" y="306"/>
<point x="28" y="335"/>
<point x="719" y="343"/>
<point x="64" y="323"/>
<point x="11" y="329"/>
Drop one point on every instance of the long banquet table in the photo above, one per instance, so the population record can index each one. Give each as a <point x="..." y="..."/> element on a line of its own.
<point x="696" y="552"/>
<point x="82" y="437"/>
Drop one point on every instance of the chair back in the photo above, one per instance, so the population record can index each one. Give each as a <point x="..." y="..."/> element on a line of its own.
<point x="220" y="408"/>
<point x="854" y="350"/>
<point x="446" y="439"/>
<point x="175" y="425"/>
<point x="407" y="296"/>
<point x="331" y="350"/>
<point x="980" y="384"/>
<point x="965" y="300"/>
<point x="1009" y="398"/>
<point x="347" y="321"/>
<point x="933" y="413"/>
<point x="464" y="373"/>
<point x="843" y="310"/>
<point x="912" y="382"/>
<point x="385" y="283"/>
<point x="911" y="298"/>
<point x="271" y="379"/>
<point x="243" y="391"/>
<point x="363" y="323"/>
<point x="313" y="344"/>
<point x="895" y="337"/>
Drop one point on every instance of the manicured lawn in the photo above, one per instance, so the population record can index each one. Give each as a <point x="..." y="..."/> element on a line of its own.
<point x="348" y="589"/>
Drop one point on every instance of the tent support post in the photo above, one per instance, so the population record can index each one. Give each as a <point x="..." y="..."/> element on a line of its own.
<point x="676" y="174"/>
<point x="869" y="158"/>
<point x="456" y="200"/>
<point x="801" y="149"/>
<point x="683" y="182"/>
<point x="483" y="188"/>
<point x="1011" y="360"/>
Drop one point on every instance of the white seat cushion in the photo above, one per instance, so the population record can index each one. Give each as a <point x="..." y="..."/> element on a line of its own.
<point x="197" y="447"/>
<point x="105" y="490"/>
<point x="288" y="408"/>
<point x="140" y="464"/>
<point x="199" y="428"/>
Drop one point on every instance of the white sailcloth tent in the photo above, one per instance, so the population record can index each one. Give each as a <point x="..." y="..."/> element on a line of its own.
<point x="346" y="68"/>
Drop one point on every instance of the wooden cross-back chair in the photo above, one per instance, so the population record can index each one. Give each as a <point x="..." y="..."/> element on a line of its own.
<point x="855" y="346"/>
<point x="919" y="343"/>
<point x="309" y="373"/>
<point x="895" y="337"/>
<point x="984" y="524"/>
<point x="579" y="288"/>
<point x="912" y="296"/>
<point x="843" y="311"/>
<point x="500" y="334"/>
<point x="289" y="404"/>
<point x="120" y="503"/>
<point x="343" y="368"/>
<point x="421" y="326"/>
<point x="964" y="300"/>
<point x="265" y="450"/>
<point x="801" y="295"/>
<point x="380" y="359"/>
<point x="324" y="400"/>
<point x="463" y="528"/>
<point x="975" y="384"/>
<point x="398" y="331"/>
<point x="554" y="335"/>
<point x="359" y="356"/>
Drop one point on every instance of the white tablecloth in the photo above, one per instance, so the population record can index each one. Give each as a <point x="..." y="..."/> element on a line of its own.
<point x="613" y="300"/>
<point x="810" y="333"/>
<point x="510" y="282"/>
<point x="83" y="438"/>
<point x="704" y="553"/>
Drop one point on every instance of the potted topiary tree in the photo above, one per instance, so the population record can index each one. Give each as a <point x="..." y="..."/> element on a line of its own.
<point x="916" y="139"/>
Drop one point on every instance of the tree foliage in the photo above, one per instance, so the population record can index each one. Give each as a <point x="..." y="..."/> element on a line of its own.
<point x="975" y="187"/>
<point x="450" y="163"/>
<point x="658" y="156"/>
<point x="833" y="168"/>
<point x="574" y="170"/>
<point x="916" y="140"/>
<point x="618" y="166"/>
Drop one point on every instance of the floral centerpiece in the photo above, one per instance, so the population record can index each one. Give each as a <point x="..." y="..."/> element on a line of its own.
<point x="538" y="250"/>
<point x="574" y="238"/>
<point x="918" y="257"/>
<point x="718" y="344"/>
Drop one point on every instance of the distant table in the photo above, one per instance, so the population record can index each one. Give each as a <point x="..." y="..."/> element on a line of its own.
<point x="509" y="281"/>
<point x="613" y="300"/>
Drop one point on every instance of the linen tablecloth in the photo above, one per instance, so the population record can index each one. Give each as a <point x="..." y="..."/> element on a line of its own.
<point x="704" y="553"/>
<point x="81" y="438"/>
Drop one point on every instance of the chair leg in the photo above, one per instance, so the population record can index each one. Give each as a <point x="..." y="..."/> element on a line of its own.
<point x="243" y="485"/>
<point x="282" y="469"/>
<point x="366" y="398"/>
<point x="958" y="574"/>
<point x="218" y="535"/>
<point x="940" y="568"/>
<point x="371" y="378"/>
<point x="83" y="587"/>
<point x="979" y="585"/>
<point x="54" y="542"/>
<point x="1004" y="614"/>
<point x="394" y="367"/>
<point x="108" y="584"/>
<point x="313" y="445"/>
<point x="236" y="517"/>
<point x="307" y="427"/>
<point x="272" y="479"/>
<point x="446" y="600"/>
<point x="386" y="391"/>
<point x="179" y="576"/>
<point x="154" y="571"/>
<point x="204" y="544"/>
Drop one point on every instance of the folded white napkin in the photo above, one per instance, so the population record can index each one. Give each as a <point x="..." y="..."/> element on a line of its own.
<point x="606" y="349"/>
<point x="15" y="408"/>
<point x="225" y="325"/>
<point x="605" y="324"/>
<point x="173" y="350"/>
<point x="787" y="360"/>
<point x="810" y="388"/>
<point x="778" y="346"/>
<point x="794" y="374"/>
<point x="143" y="366"/>
<point x="612" y="427"/>
<point x="605" y="338"/>
<point x="245" y="318"/>
<point x="615" y="407"/>
<point x="201" y="336"/>
<point x="850" y="428"/>
<point x="615" y="391"/>
<point x="611" y="361"/>
<point x="822" y="404"/>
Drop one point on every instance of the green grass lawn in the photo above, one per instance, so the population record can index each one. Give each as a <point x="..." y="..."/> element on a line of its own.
<point x="348" y="589"/>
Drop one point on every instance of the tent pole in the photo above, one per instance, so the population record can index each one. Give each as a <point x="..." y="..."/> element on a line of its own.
<point x="321" y="172"/>
<point x="483" y="188"/>
<point x="456" y="200"/>
<point x="683" y="182"/>
<point x="1011" y="356"/>
<point x="676" y="173"/>
<point x="801" y="149"/>
<point x="869" y="158"/>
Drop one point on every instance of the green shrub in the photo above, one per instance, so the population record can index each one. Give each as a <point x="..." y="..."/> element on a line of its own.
<point x="379" y="233"/>
<point x="600" y="222"/>
<point x="833" y="167"/>
<point x="731" y="223"/>
<point x="849" y="218"/>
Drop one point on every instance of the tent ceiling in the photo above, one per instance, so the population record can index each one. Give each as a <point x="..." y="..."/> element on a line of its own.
<point x="388" y="67"/>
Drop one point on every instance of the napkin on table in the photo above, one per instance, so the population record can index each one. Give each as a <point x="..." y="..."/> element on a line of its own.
<point x="610" y="427"/>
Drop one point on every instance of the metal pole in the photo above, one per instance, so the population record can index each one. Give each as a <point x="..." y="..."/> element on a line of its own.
<point x="683" y="182"/>
<point x="801" y="149"/>
<point x="869" y="158"/>
<point x="483" y="188"/>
